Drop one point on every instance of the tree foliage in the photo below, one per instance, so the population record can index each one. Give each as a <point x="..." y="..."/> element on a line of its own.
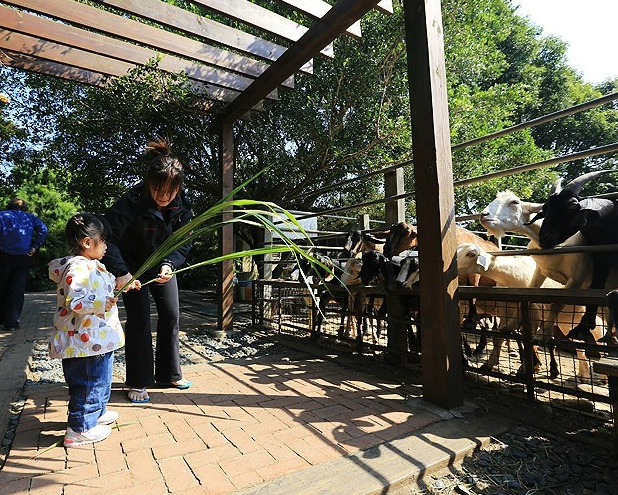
<point x="350" y="117"/>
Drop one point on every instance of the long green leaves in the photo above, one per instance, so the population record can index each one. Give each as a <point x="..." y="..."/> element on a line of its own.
<point x="244" y="211"/>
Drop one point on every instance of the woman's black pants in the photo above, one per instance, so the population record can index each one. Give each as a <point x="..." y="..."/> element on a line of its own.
<point x="140" y="361"/>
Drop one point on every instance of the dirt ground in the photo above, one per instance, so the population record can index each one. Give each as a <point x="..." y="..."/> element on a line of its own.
<point x="553" y="453"/>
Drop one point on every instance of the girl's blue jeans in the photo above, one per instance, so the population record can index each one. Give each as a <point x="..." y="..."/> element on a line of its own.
<point x="90" y="385"/>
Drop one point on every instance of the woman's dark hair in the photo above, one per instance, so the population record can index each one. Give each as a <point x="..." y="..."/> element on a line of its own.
<point x="164" y="169"/>
<point x="85" y="225"/>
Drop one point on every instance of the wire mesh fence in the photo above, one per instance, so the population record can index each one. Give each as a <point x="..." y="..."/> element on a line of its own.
<point x="515" y="341"/>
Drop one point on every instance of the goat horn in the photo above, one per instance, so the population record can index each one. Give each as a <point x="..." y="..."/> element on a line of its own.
<point x="576" y="185"/>
<point x="556" y="186"/>
<point x="536" y="217"/>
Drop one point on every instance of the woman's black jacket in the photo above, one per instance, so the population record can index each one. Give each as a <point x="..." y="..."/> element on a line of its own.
<point x="139" y="228"/>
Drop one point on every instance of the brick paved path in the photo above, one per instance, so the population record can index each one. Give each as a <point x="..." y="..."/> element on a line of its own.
<point x="240" y="425"/>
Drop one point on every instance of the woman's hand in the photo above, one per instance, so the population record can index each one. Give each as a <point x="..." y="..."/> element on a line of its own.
<point x="109" y="303"/>
<point x="165" y="274"/>
<point x="121" y="281"/>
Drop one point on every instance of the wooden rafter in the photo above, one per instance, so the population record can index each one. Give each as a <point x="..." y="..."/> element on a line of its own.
<point x="254" y="15"/>
<point x="33" y="64"/>
<point x="316" y="9"/>
<point x="344" y="13"/>
<point x="55" y="52"/>
<point x="94" y="18"/>
<point x="32" y="25"/>
<point x="175" y="17"/>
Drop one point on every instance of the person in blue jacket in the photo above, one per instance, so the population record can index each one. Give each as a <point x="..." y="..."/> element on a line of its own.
<point x="21" y="234"/>
<point x="141" y="220"/>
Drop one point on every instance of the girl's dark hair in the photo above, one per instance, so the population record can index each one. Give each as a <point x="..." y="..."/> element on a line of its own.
<point x="85" y="225"/>
<point x="164" y="169"/>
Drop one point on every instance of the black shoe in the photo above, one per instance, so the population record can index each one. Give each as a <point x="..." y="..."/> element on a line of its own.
<point x="11" y="329"/>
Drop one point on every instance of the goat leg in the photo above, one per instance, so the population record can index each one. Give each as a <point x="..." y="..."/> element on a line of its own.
<point x="583" y="330"/>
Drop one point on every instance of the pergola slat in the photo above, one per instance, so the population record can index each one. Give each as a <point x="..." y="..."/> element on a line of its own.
<point x="107" y="22"/>
<point x="22" y="43"/>
<point x="343" y="14"/>
<point x="31" y="24"/>
<point x="317" y="9"/>
<point x="175" y="17"/>
<point x="33" y="64"/>
<point x="254" y="15"/>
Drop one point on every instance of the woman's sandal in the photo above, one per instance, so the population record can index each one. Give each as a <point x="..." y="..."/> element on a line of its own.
<point x="138" y="395"/>
<point x="182" y="384"/>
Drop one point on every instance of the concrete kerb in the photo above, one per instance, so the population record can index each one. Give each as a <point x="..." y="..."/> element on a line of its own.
<point x="403" y="461"/>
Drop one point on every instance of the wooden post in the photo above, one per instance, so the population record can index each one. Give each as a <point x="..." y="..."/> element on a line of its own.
<point x="441" y="342"/>
<point x="363" y="222"/>
<point x="395" y="211"/>
<point x="225" y="269"/>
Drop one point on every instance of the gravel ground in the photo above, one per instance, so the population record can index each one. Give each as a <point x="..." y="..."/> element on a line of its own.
<point x="525" y="461"/>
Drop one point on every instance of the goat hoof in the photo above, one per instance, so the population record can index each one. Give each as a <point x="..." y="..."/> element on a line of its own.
<point x="582" y="334"/>
<point x="487" y="367"/>
<point x="608" y="338"/>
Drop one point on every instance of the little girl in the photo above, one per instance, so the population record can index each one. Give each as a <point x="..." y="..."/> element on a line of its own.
<point x="87" y="330"/>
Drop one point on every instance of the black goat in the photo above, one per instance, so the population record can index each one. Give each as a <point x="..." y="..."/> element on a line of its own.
<point x="565" y="213"/>
<point x="359" y="242"/>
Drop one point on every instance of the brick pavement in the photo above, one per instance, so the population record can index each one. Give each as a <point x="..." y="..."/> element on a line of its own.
<point x="240" y="425"/>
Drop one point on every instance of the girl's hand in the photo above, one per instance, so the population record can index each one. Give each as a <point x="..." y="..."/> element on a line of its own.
<point x="165" y="274"/>
<point x="120" y="281"/>
<point x="109" y="304"/>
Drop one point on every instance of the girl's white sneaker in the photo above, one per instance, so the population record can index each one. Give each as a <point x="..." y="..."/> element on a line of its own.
<point x="108" y="418"/>
<point x="95" y="434"/>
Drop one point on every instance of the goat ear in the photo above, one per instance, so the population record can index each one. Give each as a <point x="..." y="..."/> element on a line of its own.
<point x="596" y="205"/>
<point x="483" y="260"/>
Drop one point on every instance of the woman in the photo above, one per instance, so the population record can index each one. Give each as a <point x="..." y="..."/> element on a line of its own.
<point x="141" y="220"/>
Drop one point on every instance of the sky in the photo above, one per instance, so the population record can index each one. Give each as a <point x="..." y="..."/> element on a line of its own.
<point x="588" y="26"/>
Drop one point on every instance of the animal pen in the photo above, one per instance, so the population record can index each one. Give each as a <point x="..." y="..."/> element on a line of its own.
<point x="570" y="382"/>
<point x="48" y="37"/>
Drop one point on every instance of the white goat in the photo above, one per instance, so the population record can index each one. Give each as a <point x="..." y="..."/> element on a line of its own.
<point x="508" y="213"/>
<point x="515" y="271"/>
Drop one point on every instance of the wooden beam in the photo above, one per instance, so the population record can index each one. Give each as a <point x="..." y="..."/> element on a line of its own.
<point x="82" y="76"/>
<point x="34" y="25"/>
<point x="97" y="19"/>
<point x="441" y="343"/>
<point x="177" y="18"/>
<point x="48" y="50"/>
<point x="225" y="269"/>
<point x="324" y="31"/>
<point x="254" y="15"/>
<point x="33" y="64"/>
<point x="317" y="9"/>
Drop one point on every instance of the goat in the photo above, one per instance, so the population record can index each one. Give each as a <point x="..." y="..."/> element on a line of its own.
<point x="357" y="242"/>
<point x="404" y="236"/>
<point x="513" y="271"/>
<point x="508" y="213"/>
<point x="383" y="272"/>
<point x="565" y="213"/>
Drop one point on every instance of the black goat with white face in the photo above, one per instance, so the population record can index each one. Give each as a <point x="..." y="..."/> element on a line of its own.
<point x="565" y="213"/>
<point x="362" y="242"/>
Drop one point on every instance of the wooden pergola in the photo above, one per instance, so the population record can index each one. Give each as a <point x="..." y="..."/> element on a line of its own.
<point x="235" y="71"/>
